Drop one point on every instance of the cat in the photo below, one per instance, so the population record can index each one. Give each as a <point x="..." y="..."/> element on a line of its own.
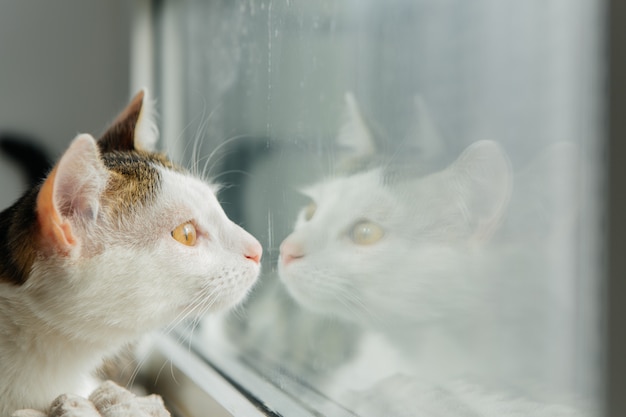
<point x="423" y="259"/>
<point x="391" y="257"/>
<point x="116" y="241"/>
<point x="305" y="345"/>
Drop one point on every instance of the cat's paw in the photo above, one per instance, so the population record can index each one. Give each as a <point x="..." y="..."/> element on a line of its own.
<point x="405" y="396"/>
<point x="108" y="400"/>
<point x="68" y="405"/>
<point x="111" y="400"/>
<point x="392" y="396"/>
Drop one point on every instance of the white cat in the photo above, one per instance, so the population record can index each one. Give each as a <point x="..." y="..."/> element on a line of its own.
<point x="306" y="344"/>
<point x="117" y="241"/>
<point x="382" y="244"/>
<point x="409" y="256"/>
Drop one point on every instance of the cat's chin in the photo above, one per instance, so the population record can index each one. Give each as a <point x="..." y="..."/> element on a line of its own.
<point x="197" y="309"/>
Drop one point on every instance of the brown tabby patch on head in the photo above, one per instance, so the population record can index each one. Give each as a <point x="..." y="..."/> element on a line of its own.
<point x="134" y="180"/>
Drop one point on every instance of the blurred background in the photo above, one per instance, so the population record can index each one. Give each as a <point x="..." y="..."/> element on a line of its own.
<point x="64" y="69"/>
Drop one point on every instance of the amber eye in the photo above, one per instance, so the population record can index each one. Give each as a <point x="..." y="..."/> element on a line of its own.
<point x="366" y="232"/>
<point x="185" y="234"/>
<point x="309" y="211"/>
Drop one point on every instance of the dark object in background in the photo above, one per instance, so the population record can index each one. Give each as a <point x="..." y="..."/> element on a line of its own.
<point x="31" y="157"/>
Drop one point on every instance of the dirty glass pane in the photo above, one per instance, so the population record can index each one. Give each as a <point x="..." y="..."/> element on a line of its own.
<point x="423" y="177"/>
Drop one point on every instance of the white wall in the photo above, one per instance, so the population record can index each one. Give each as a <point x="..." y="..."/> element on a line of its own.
<point x="64" y="69"/>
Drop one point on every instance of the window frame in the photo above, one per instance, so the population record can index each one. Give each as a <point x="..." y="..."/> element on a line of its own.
<point x="615" y="221"/>
<point x="152" y="26"/>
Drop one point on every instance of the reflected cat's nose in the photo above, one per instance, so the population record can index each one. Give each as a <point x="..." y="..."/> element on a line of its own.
<point x="254" y="251"/>
<point x="290" y="251"/>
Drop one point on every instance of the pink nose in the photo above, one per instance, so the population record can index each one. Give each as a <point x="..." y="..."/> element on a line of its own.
<point x="290" y="251"/>
<point x="254" y="252"/>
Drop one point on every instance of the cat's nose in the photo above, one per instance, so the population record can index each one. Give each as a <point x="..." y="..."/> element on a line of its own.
<point x="254" y="251"/>
<point x="290" y="251"/>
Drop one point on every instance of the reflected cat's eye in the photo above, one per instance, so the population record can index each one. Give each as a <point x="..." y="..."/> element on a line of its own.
<point x="366" y="233"/>
<point x="309" y="211"/>
<point x="185" y="234"/>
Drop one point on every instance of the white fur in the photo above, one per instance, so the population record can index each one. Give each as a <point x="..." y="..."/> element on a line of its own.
<point x="429" y="224"/>
<point x="81" y="178"/>
<point x="125" y="276"/>
<point x="451" y="304"/>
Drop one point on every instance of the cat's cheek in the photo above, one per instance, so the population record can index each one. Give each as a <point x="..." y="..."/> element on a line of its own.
<point x="213" y="279"/>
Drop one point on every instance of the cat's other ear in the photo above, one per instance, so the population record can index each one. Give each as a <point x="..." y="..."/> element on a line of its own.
<point x="354" y="136"/>
<point x="133" y="129"/>
<point x="71" y="194"/>
<point x="424" y="135"/>
<point x="545" y="197"/>
<point x="483" y="179"/>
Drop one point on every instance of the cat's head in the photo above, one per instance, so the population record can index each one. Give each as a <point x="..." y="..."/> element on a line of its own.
<point x="389" y="242"/>
<point x="125" y="240"/>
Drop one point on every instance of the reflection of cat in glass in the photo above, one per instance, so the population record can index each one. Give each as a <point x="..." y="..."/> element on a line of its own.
<point x="377" y="245"/>
<point x="409" y="256"/>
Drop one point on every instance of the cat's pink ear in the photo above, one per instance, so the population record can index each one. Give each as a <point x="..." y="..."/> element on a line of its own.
<point x="133" y="129"/>
<point x="483" y="181"/>
<point x="71" y="194"/>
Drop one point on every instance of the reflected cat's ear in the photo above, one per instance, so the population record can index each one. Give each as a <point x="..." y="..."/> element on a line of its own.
<point x="71" y="193"/>
<point x="354" y="136"/>
<point x="424" y="135"/>
<point x="545" y="198"/>
<point x="482" y="178"/>
<point x="133" y="129"/>
<point x="551" y="176"/>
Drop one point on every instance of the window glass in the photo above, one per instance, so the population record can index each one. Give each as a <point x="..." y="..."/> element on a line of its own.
<point x="422" y="176"/>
